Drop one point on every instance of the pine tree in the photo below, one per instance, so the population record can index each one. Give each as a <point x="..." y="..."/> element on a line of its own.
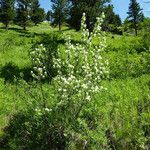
<point x="22" y="13"/>
<point x="49" y="16"/>
<point x="112" y="21"/>
<point x="37" y="13"/>
<point x="92" y="8"/>
<point x="6" y="11"/>
<point x="135" y="15"/>
<point x="60" y="12"/>
<point x="0" y="10"/>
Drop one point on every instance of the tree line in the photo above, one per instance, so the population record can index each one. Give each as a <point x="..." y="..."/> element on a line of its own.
<point x="69" y="12"/>
<point x="21" y="12"/>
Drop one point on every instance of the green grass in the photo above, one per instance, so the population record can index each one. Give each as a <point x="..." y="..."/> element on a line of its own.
<point x="127" y="89"/>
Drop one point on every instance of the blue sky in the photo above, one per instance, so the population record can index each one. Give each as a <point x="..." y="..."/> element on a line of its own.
<point x="120" y="7"/>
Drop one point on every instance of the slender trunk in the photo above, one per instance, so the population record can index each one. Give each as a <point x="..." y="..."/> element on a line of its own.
<point x="6" y="26"/>
<point x="59" y="26"/>
<point x="25" y="21"/>
<point x="59" y="23"/>
<point x="136" y="32"/>
<point x="50" y="19"/>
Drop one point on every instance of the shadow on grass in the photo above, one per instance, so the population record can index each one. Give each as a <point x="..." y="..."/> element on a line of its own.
<point x="47" y="38"/>
<point x="50" y="41"/>
<point x="10" y="71"/>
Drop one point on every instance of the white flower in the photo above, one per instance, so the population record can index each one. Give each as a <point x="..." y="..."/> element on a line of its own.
<point x="96" y="89"/>
<point x="84" y="14"/>
<point x="40" y="70"/>
<point x="65" y="81"/>
<point x="64" y="90"/>
<point x="80" y="68"/>
<point x="84" y="86"/>
<point x="35" y="68"/>
<point x="103" y="15"/>
<point x="88" y="98"/>
<point x="48" y="110"/>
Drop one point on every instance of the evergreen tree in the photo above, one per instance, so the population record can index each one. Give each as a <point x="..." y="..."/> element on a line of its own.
<point x="112" y="21"/>
<point x="0" y="10"/>
<point x="60" y="12"/>
<point x="49" y="16"/>
<point x="92" y="8"/>
<point x="135" y="15"/>
<point x="37" y="13"/>
<point x="22" y="13"/>
<point x="6" y="11"/>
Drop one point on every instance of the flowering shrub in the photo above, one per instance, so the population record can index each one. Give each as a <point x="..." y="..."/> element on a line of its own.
<point x="38" y="56"/>
<point x="42" y="56"/>
<point x="80" y="70"/>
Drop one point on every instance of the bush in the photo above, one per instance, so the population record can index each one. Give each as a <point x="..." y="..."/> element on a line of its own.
<point x="33" y="130"/>
<point x="123" y="65"/>
<point x="42" y="53"/>
<point x="146" y="41"/>
<point x="85" y="69"/>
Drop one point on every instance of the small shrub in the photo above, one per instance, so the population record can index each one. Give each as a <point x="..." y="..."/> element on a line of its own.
<point x="33" y="130"/>
<point x="146" y="41"/>
<point x="125" y="65"/>
<point x="42" y="54"/>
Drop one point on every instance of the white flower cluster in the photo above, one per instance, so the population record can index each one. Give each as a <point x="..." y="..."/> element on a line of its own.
<point x="38" y="57"/>
<point x="82" y="67"/>
<point x="40" y="111"/>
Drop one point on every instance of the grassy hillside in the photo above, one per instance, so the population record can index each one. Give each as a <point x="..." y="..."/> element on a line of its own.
<point x="124" y="107"/>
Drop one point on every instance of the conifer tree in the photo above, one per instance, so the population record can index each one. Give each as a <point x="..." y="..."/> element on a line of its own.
<point x="0" y="10"/>
<point x="6" y="11"/>
<point x="60" y="12"/>
<point x="37" y="13"/>
<point x="49" y="16"/>
<point x="135" y="15"/>
<point x="92" y="8"/>
<point x="22" y="13"/>
<point x="112" y="21"/>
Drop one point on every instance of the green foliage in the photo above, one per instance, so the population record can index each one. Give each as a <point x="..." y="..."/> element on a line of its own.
<point x="145" y="35"/>
<point x="42" y="53"/>
<point x="146" y="41"/>
<point x="37" y="13"/>
<point x="85" y="6"/>
<point x="34" y="130"/>
<point x="117" y="118"/>
<point x="22" y="13"/>
<point x="60" y="11"/>
<point x="7" y="11"/>
<point x="49" y="16"/>
<point x="135" y="15"/>
<point x="112" y="21"/>
<point x="122" y="121"/>
<point x="125" y="65"/>
<point x="146" y="24"/>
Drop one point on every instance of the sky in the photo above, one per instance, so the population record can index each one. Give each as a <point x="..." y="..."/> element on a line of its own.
<point x="120" y="7"/>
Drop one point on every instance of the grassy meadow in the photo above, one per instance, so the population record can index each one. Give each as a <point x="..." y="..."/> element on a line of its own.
<point x="124" y="108"/>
